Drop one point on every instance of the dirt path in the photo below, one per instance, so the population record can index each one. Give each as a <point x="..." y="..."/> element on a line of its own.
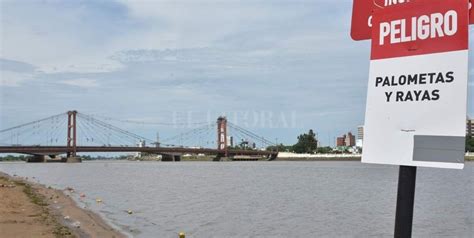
<point x="32" y="210"/>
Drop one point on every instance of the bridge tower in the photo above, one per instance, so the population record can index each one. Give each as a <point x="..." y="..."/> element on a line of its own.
<point x="71" y="134"/>
<point x="222" y="134"/>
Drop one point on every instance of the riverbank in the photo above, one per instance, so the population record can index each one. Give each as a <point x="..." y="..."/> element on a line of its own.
<point x="286" y="156"/>
<point x="346" y="158"/>
<point x="33" y="210"/>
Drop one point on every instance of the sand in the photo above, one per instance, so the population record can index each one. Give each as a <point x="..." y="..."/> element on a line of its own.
<point x="32" y="210"/>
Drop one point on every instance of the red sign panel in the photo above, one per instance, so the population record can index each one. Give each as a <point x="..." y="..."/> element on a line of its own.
<point x="424" y="27"/>
<point x="363" y="9"/>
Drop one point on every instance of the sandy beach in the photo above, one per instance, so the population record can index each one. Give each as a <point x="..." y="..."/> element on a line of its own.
<point x="33" y="210"/>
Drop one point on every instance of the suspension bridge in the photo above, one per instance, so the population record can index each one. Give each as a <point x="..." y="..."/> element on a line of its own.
<point x="73" y="132"/>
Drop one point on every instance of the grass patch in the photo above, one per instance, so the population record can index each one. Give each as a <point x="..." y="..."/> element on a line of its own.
<point x="62" y="231"/>
<point x="59" y="230"/>
<point x="33" y="196"/>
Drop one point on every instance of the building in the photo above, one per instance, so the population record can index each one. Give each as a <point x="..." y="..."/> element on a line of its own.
<point x="230" y="141"/>
<point x="469" y="127"/>
<point x="350" y="139"/>
<point x="340" y="141"/>
<point x="360" y="132"/>
<point x="346" y="140"/>
<point x="360" y="136"/>
<point x="140" y="144"/>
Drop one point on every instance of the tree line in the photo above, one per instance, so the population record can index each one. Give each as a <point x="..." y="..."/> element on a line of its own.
<point x="308" y="143"/>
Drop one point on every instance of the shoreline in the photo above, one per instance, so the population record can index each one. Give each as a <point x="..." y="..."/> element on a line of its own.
<point x="34" y="210"/>
<point x="316" y="159"/>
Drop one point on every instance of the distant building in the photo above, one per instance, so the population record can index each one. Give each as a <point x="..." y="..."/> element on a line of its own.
<point x="350" y="139"/>
<point x="360" y="136"/>
<point x="244" y="144"/>
<point x="340" y="141"/>
<point x="346" y="140"/>
<point x="230" y="141"/>
<point x="360" y="132"/>
<point x="469" y="127"/>
<point x="140" y="144"/>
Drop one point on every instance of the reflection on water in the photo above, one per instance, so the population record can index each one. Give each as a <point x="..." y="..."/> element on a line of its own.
<point x="271" y="199"/>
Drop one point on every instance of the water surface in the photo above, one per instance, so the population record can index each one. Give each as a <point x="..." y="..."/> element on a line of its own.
<point x="262" y="199"/>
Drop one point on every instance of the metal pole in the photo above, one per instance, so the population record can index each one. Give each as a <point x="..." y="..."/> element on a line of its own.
<point x="74" y="136"/>
<point x="69" y="140"/>
<point x="405" y="201"/>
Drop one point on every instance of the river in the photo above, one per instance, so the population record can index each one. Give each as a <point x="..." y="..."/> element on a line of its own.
<point x="261" y="199"/>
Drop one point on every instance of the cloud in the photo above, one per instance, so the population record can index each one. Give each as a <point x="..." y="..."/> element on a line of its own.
<point x="13" y="73"/>
<point x="82" y="83"/>
<point x="13" y="79"/>
<point x="16" y="66"/>
<point x="61" y="36"/>
<point x="179" y="56"/>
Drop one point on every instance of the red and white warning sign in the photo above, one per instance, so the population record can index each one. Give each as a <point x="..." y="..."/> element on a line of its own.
<point x="362" y="14"/>
<point x="417" y="92"/>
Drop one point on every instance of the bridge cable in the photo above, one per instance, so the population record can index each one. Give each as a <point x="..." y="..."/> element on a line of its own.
<point x="251" y="134"/>
<point x="114" y="128"/>
<point x="30" y="123"/>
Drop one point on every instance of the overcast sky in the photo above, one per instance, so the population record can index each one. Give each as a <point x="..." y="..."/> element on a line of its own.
<point x="276" y="67"/>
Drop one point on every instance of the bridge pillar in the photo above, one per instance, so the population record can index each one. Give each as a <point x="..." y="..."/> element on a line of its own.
<point x="217" y="158"/>
<point x="273" y="156"/>
<point x="71" y="133"/>
<point x="170" y="157"/>
<point x="222" y="135"/>
<point x="72" y="159"/>
<point x="37" y="159"/>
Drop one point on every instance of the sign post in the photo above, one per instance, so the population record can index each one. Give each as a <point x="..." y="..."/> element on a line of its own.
<point x="405" y="201"/>
<point x="417" y="89"/>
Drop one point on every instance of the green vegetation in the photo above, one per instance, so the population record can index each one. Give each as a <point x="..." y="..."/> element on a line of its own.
<point x="34" y="197"/>
<point x="324" y="150"/>
<point x="281" y="148"/>
<point x="469" y="144"/>
<point x="244" y="145"/>
<point x="307" y="143"/>
<point x="13" y="158"/>
<point x="62" y="231"/>
<point x="38" y="199"/>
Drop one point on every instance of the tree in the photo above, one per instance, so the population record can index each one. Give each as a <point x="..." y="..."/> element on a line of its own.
<point x="280" y="147"/>
<point x="324" y="150"/>
<point x="13" y="158"/>
<point x="307" y="143"/>
<point x="243" y="145"/>
<point x="469" y="144"/>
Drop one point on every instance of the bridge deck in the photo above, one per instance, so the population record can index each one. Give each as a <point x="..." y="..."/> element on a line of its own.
<point x="49" y="150"/>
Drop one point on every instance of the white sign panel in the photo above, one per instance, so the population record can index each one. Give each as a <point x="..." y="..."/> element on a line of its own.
<point x="417" y="94"/>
